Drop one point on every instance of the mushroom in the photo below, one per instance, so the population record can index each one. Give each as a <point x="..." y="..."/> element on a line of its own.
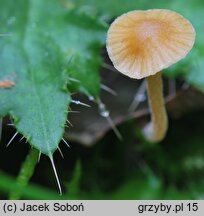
<point x="143" y="43"/>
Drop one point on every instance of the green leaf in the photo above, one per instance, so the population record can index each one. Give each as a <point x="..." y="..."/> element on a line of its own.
<point x="44" y="35"/>
<point x="140" y="187"/>
<point x="74" y="185"/>
<point x="86" y="39"/>
<point x="196" y="75"/>
<point x="80" y="38"/>
<point x="117" y="7"/>
<point x="31" y="191"/>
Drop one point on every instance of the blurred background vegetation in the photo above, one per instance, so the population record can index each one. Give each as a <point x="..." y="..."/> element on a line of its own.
<point x="105" y="167"/>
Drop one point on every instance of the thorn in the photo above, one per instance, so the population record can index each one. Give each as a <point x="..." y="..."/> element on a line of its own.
<point x="106" y="88"/>
<point x="56" y="175"/>
<point x="80" y="103"/>
<point x="10" y="124"/>
<point x="109" y="67"/>
<point x="91" y="98"/>
<point x="139" y="97"/>
<point x="60" y="152"/>
<point x="105" y="114"/>
<point x="114" y="128"/>
<point x="68" y="122"/>
<point x="12" y="139"/>
<point x="65" y="142"/>
<point x="39" y="156"/>
<point x="74" y="80"/>
<point x="21" y="138"/>
<point x="70" y="111"/>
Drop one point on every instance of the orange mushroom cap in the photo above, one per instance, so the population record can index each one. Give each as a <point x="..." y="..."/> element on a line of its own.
<point x="142" y="43"/>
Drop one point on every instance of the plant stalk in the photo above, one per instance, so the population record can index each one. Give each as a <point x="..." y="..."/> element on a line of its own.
<point x="26" y="172"/>
<point x="155" y="131"/>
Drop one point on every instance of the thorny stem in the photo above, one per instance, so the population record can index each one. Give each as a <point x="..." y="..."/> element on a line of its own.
<point x="26" y="172"/>
<point x="155" y="131"/>
<point x="105" y="114"/>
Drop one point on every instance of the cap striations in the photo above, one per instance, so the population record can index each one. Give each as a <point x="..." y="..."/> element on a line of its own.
<point x="142" y="43"/>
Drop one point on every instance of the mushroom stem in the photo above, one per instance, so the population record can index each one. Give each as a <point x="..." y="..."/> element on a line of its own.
<point x="155" y="131"/>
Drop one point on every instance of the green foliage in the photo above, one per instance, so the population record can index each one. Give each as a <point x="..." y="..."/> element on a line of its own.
<point x="134" y="169"/>
<point x="74" y="184"/>
<point x="48" y="44"/>
<point x="53" y="41"/>
<point x="25" y="173"/>
<point x="8" y="183"/>
<point x="54" y="49"/>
